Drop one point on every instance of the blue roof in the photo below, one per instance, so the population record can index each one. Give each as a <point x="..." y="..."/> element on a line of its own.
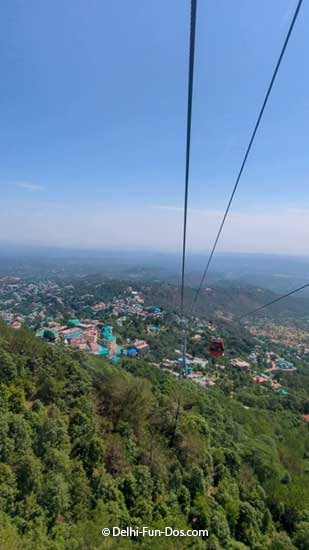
<point x="74" y="335"/>
<point x="132" y="351"/>
<point x="116" y="359"/>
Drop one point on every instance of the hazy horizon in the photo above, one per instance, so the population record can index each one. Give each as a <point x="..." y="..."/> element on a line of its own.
<point x="14" y="247"/>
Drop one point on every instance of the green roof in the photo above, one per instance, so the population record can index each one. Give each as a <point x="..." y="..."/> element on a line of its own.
<point x="108" y="337"/>
<point x="103" y="350"/>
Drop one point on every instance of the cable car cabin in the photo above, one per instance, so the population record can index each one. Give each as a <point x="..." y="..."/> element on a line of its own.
<point x="216" y="347"/>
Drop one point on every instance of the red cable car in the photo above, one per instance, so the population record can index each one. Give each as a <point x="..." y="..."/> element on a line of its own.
<point x="216" y="347"/>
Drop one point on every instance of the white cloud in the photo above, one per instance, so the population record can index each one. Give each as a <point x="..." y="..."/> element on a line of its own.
<point x="32" y="187"/>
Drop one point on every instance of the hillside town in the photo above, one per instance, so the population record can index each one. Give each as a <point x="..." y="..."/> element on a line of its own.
<point x="114" y="320"/>
<point x="290" y="334"/>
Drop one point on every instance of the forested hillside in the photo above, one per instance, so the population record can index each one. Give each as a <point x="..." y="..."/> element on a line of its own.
<point x="85" y="445"/>
<point x="227" y="300"/>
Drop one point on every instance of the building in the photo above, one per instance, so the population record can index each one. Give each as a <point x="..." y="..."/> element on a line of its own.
<point x="73" y="335"/>
<point x="109" y="340"/>
<point x="91" y="336"/>
<point x="94" y="348"/>
<point x="199" y="362"/>
<point x="155" y="309"/>
<point x="74" y="322"/>
<point x="103" y="351"/>
<point x="260" y="379"/>
<point x="131" y="352"/>
<point x="285" y="365"/>
<point x="141" y="346"/>
<point x="153" y="330"/>
<point x="16" y="324"/>
<point x="240" y="364"/>
<point x="99" y="307"/>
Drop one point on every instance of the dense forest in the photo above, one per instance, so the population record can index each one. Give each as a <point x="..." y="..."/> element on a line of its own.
<point x="86" y="445"/>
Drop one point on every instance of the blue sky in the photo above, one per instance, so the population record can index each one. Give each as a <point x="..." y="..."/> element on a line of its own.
<point x="93" y="104"/>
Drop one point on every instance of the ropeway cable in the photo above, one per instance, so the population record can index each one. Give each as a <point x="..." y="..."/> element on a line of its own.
<point x="272" y="302"/>
<point x="257" y="124"/>
<point x="187" y="167"/>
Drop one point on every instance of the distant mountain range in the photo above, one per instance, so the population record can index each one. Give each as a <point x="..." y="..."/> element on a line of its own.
<point x="276" y="273"/>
